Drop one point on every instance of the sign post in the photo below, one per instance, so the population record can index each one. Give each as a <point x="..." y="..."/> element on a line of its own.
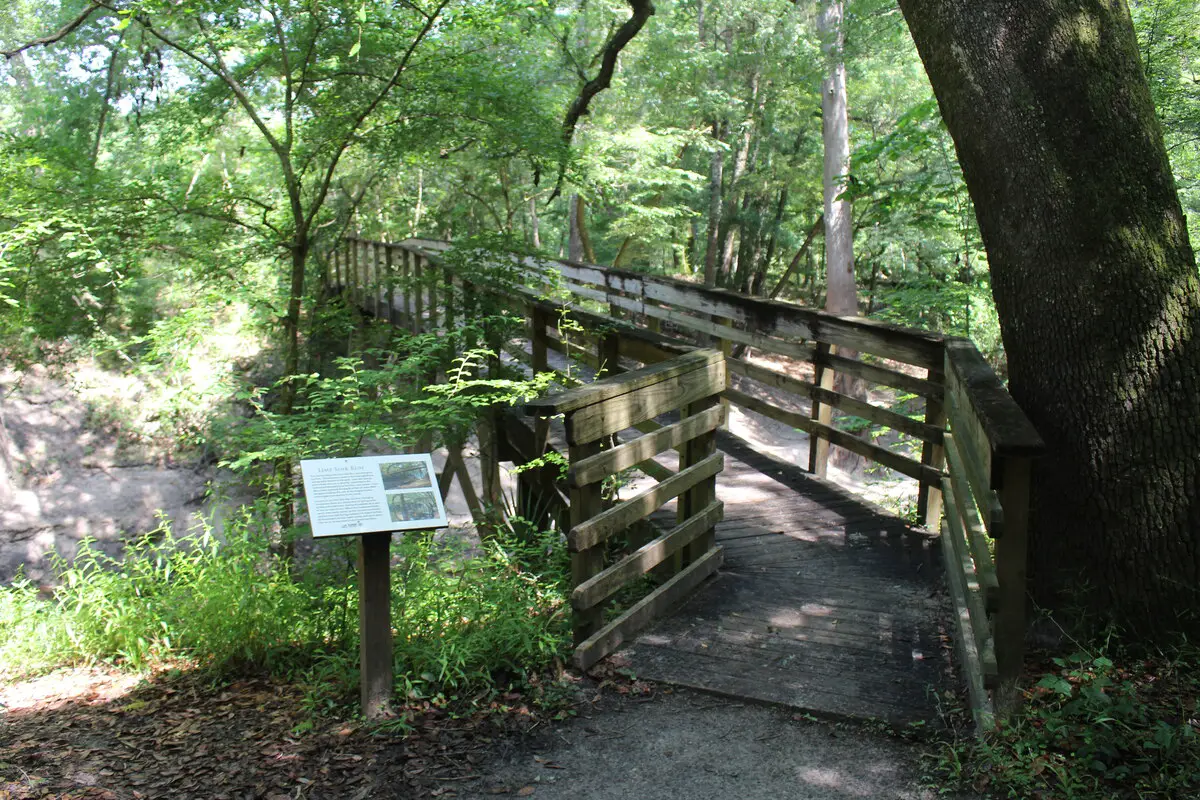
<point x="372" y="497"/>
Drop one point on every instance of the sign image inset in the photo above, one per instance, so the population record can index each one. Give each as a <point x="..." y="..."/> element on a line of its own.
<point x="349" y="496"/>
<point x="405" y="475"/>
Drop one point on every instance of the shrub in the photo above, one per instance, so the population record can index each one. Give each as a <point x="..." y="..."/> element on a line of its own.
<point x="1093" y="728"/>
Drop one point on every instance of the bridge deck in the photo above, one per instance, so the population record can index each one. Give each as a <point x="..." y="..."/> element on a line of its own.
<point x="824" y="603"/>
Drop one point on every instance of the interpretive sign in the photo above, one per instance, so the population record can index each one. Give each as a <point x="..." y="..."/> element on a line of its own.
<point x="372" y="497"/>
<point x="351" y="496"/>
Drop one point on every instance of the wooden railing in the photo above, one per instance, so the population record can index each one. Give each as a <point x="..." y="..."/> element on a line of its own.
<point x="593" y="414"/>
<point x="990" y="448"/>
<point x="600" y="316"/>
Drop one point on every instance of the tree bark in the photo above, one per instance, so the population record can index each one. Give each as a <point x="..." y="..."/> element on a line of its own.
<point x="841" y="294"/>
<point x="716" y="173"/>
<point x="1096" y="287"/>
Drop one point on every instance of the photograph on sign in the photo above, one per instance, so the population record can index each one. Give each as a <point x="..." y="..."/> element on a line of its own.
<point x="407" y="506"/>
<point x="350" y="496"/>
<point x="405" y="475"/>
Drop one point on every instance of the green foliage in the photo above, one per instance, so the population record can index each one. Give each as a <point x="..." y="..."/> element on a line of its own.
<point x="220" y="605"/>
<point x="467" y="621"/>
<point x="389" y="406"/>
<point x="1093" y="727"/>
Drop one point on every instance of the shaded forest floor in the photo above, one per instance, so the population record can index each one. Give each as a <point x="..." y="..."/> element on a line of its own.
<point x="93" y="734"/>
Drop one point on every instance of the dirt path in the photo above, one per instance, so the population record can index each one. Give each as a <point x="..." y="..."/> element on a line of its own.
<point x="680" y="745"/>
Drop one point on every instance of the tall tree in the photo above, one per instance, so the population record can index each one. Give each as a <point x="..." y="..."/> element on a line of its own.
<point x="1095" y="283"/>
<point x="841" y="290"/>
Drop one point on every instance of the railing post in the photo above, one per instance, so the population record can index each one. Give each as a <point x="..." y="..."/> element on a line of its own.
<point x="586" y="502"/>
<point x="1011" y="555"/>
<point x="929" y="498"/>
<point x="608" y="354"/>
<point x="818" y="446"/>
<point x="355" y="275"/>
<point x="376" y="281"/>
<point x="432" y="274"/>
<point x="530" y="504"/>
<point x="390" y="272"/>
<point x="375" y="623"/>
<point x="406" y="282"/>
<point x="418" y="293"/>
<point x="489" y="426"/>
<point x="699" y="496"/>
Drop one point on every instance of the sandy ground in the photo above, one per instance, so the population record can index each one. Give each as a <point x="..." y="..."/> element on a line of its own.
<point x="66" y="474"/>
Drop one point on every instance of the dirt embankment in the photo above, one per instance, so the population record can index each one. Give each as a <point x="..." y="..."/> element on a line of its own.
<point x="70" y="470"/>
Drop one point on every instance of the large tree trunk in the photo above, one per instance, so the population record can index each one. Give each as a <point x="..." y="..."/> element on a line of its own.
<point x="841" y="292"/>
<point x="1096" y="286"/>
<point x="716" y="171"/>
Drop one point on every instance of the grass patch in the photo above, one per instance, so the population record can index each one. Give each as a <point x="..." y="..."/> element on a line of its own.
<point x="468" y="623"/>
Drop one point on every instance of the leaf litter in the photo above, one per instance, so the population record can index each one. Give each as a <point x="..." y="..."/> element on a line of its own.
<point x="179" y="736"/>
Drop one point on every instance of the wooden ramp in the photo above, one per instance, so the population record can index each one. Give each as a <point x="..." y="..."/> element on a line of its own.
<point x="824" y="604"/>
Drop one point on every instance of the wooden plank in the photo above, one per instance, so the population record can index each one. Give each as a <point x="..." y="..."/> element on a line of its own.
<point x="611" y="636"/>
<point x="770" y="317"/>
<point x="883" y="375"/>
<point x="646" y="557"/>
<point x="973" y="444"/>
<point x="779" y="686"/>
<point x="884" y="457"/>
<point x="976" y="533"/>
<point x="652" y="349"/>
<point x="983" y="396"/>
<point x="599" y="527"/>
<point x="851" y="405"/>
<point x="639" y="450"/>
<point x="624" y="411"/>
<point x="954" y="540"/>
<point x="617" y="385"/>
<point x="767" y="344"/>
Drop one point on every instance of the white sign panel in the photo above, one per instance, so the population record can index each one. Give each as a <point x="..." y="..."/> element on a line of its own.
<point x="348" y="496"/>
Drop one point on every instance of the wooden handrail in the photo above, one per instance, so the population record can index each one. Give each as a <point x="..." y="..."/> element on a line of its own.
<point x="773" y="318"/>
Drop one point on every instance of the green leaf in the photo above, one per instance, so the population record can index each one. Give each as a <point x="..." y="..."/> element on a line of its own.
<point x="354" y="48"/>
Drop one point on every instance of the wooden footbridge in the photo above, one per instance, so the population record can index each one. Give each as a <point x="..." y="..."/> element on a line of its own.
<point x="733" y="571"/>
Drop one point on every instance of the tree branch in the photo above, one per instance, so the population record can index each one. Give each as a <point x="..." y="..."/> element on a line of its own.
<point x="57" y="36"/>
<point x="369" y="109"/>
<point x="642" y="11"/>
